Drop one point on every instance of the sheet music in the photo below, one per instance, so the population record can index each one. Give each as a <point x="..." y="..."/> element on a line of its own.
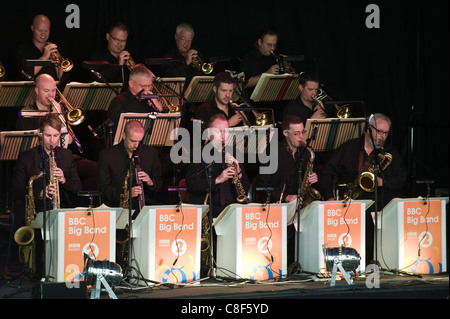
<point x="275" y="87"/>
<point x="93" y="96"/>
<point x="17" y="94"/>
<point x="14" y="142"/>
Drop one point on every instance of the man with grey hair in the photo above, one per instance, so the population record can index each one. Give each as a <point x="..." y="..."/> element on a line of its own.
<point x="354" y="157"/>
<point x="128" y="101"/>
<point x="181" y="55"/>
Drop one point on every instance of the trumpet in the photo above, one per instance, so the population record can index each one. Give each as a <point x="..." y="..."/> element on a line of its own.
<point x="343" y="112"/>
<point x="129" y="62"/>
<point x="2" y="71"/>
<point x="197" y="63"/>
<point x="285" y="67"/>
<point x="65" y="64"/>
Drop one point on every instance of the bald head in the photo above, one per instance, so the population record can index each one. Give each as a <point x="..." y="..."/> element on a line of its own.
<point x="45" y="89"/>
<point x="40" y="28"/>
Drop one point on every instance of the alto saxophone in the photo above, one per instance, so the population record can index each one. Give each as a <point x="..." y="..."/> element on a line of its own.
<point x="242" y="197"/>
<point x="308" y="193"/>
<point x="54" y="180"/>
<point x="24" y="236"/>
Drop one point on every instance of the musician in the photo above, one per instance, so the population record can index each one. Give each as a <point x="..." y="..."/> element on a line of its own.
<point x="38" y="48"/>
<point x="223" y="87"/>
<point x="354" y="156"/>
<point x="290" y="150"/>
<point x="114" y="164"/>
<point x="182" y="55"/>
<point x="45" y="88"/>
<point x="305" y="106"/>
<point x="223" y="191"/>
<point x="31" y="162"/>
<point x="128" y="101"/>
<point x="114" y="54"/>
<point x="260" y="59"/>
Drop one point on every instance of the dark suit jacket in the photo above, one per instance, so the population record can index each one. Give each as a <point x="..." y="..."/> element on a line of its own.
<point x="29" y="164"/>
<point x="113" y="166"/>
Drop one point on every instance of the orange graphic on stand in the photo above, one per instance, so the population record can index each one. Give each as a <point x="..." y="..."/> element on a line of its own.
<point x="262" y="242"/>
<point x="85" y="233"/>
<point x="422" y="230"/>
<point x="176" y="240"/>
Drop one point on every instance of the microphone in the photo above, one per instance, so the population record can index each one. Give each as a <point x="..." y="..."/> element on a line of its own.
<point x="157" y="79"/>
<point x="97" y="74"/>
<point x="29" y="77"/>
<point x="138" y="95"/>
<point x="313" y="136"/>
<point x="92" y="131"/>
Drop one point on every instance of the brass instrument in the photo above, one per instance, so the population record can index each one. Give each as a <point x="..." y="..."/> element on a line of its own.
<point x="205" y="246"/>
<point x="197" y="63"/>
<point x="129" y="62"/>
<point x="75" y="116"/>
<point x="137" y="169"/>
<point x="242" y="197"/>
<point x="122" y="235"/>
<point x="263" y="118"/>
<point x="285" y="67"/>
<point x="342" y="112"/>
<point x="63" y="120"/>
<point x="308" y="193"/>
<point x="172" y="108"/>
<point x="24" y="236"/>
<point x="2" y="71"/>
<point x="365" y="181"/>
<point x="56" y="203"/>
<point x="65" y="64"/>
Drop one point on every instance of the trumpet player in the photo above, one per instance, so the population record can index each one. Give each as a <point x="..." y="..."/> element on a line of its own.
<point x="38" y="49"/>
<point x="182" y="55"/>
<point x="114" y="53"/>
<point x="32" y="161"/>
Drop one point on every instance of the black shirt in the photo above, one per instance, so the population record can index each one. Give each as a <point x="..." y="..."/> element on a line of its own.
<point x="208" y="109"/>
<point x="112" y="73"/>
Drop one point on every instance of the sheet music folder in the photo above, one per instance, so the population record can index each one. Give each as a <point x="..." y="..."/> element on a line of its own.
<point x="14" y="142"/>
<point x="17" y="94"/>
<point x="332" y="132"/>
<point x="200" y="89"/>
<point x="275" y="87"/>
<point x="93" y="96"/>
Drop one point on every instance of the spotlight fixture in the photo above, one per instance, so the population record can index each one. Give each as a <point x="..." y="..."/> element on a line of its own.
<point x="102" y="272"/>
<point x="343" y="258"/>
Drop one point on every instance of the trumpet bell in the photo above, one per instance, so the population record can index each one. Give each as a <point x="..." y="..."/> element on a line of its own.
<point x="207" y="68"/>
<point x="76" y="116"/>
<point x="265" y="118"/>
<point x="66" y="65"/>
<point x="344" y="112"/>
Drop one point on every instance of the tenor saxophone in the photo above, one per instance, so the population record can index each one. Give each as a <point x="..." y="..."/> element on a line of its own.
<point x="307" y="192"/>
<point x="24" y="236"/>
<point x="242" y="197"/>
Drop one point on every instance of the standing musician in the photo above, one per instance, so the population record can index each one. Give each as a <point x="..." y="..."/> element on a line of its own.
<point x="223" y="171"/>
<point x="114" y="165"/>
<point x="40" y="49"/>
<point x="285" y="180"/>
<point x="182" y="55"/>
<point x="306" y="105"/>
<point x="115" y="54"/>
<point x="31" y="162"/>
<point x="128" y="101"/>
<point x="354" y="157"/>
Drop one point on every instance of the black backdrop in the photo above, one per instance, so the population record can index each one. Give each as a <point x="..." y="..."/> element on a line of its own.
<point x="400" y="69"/>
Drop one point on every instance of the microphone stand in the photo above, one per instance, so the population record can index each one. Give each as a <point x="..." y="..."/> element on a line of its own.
<point x="130" y="214"/>
<point x="44" y="212"/>
<point x="212" y="271"/>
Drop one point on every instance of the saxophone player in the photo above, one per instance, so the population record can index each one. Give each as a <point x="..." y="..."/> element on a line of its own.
<point x="224" y="191"/>
<point x="285" y="180"/>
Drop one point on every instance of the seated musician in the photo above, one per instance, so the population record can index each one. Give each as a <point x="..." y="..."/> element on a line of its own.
<point x="129" y="101"/>
<point x="222" y="174"/>
<point x="285" y="180"/>
<point x="114" y="166"/>
<point x="354" y="157"/>
<point x="30" y="163"/>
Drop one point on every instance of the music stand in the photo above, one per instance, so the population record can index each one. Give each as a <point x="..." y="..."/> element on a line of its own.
<point x="200" y="89"/>
<point x="275" y="87"/>
<point x="17" y="94"/>
<point x="169" y="86"/>
<point x="332" y="132"/>
<point x="93" y="96"/>
<point x="158" y="127"/>
<point x="14" y="142"/>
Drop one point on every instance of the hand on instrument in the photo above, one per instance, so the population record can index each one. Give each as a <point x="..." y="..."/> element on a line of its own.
<point x="226" y="174"/>
<point x="192" y="53"/>
<point x="291" y="198"/>
<point x="123" y="56"/>
<point x="60" y="175"/>
<point x="274" y="69"/>
<point x="313" y="178"/>
<point x="50" y="191"/>
<point x="48" y="50"/>
<point x="145" y="178"/>
<point x="136" y="191"/>
<point x="235" y="120"/>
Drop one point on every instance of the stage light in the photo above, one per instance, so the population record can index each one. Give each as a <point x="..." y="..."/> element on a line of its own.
<point x="102" y="272"/>
<point x="343" y="258"/>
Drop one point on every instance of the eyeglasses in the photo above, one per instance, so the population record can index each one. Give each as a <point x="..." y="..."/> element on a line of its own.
<point x="380" y="131"/>
<point x="118" y="40"/>
<point x="298" y="133"/>
<point x="182" y="39"/>
<point x="145" y="86"/>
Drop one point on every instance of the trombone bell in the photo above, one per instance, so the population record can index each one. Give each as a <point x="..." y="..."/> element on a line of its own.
<point x="76" y="116"/>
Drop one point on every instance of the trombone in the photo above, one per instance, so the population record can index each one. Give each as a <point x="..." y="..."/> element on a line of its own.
<point x="75" y="116"/>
